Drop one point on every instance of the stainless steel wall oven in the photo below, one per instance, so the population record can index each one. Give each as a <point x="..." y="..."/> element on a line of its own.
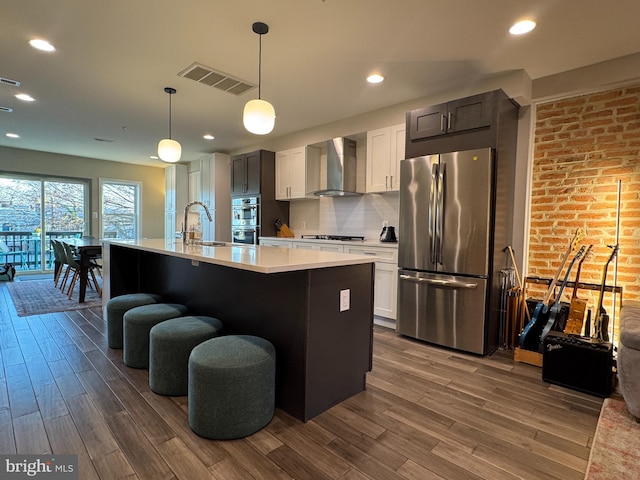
<point x="245" y="220"/>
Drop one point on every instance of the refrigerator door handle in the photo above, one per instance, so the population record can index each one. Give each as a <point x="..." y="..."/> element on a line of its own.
<point x="440" y="283"/>
<point x="433" y="213"/>
<point x="440" y="214"/>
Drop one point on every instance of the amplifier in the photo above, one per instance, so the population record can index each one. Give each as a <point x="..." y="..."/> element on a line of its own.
<point x="579" y="363"/>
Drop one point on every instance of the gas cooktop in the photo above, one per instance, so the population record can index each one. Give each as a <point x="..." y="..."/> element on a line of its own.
<point x="333" y="237"/>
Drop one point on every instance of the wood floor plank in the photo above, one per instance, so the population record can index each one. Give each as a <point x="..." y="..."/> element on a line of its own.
<point x="207" y="452"/>
<point x="296" y="465"/>
<point x="145" y="460"/>
<point x="22" y="400"/>
<point x="182" y="461"/>
<point x="7" y="439"/>
<point x="332" y="466"/>
<point x="30" y="435"/>
<point x="258" y="466"/>
<point x="229" y="469"/>
<point x="65" y="439"/>
<point x="97" y="437"/>
<point x="114" y="465"/>
<point x="361" y="460"/>
<point x="39" y="372"/>
<point x="470" y="463"/>
<point x="101" y="395"/>
<point x="50" y="401"/>
<point x="149" y="421"/>
<point x="332" y="421"/>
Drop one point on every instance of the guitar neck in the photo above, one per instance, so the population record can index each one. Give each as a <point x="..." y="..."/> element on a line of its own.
<point x="552" y="285"/>
<point x="574" y="294"/>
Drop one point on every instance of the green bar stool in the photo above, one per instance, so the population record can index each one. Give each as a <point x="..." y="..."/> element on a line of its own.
<point x="138" y="323"/>
<point x="170" y="345"/>
<point x="231" y="386"/>
<point x="118" y="306"/>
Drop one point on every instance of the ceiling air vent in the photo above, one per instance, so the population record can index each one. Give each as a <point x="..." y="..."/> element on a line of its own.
<point x="8" y="81"/>
<point x="6" y="109"/>
<point x="215" y="78"/>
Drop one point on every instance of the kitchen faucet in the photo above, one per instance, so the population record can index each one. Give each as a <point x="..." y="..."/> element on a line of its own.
<point x="186" y="212"/>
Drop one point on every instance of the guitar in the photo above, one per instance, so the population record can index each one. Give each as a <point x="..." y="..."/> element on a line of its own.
<point x="578" y="306"/>
<point x="601" y="324"/>
<point x="530" y="335"/>
<point x="556" y="308"/>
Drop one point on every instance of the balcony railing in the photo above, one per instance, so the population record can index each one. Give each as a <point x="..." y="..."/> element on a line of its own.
<point x="24" y="249"/>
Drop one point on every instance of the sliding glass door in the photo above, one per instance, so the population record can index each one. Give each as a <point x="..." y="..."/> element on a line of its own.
<point x="32" y="211"/>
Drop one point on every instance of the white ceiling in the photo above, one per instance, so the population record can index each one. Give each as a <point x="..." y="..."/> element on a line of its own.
<point x="115" y="57"/>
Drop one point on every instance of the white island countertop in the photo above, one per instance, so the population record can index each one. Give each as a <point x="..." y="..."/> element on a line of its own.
<point x="255" y="258"/>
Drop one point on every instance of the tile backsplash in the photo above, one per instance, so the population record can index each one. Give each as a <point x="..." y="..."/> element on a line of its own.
<point x="358" y="215"/>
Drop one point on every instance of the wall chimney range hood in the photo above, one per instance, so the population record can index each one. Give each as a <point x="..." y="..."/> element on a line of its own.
<point x="341" y="169"/>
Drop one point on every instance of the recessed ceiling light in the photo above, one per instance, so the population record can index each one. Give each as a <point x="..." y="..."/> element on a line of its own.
<point x="42" y="45"/>
<point x="12" y="135"/>
<point x="25" y="98"/>
<point x="523" y="26"/>
<point x="208" y="137"/>
<point x="375" y="78"/>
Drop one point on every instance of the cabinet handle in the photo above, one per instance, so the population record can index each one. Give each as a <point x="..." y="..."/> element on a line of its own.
<point x="386" y="182"/>
<point x="442" y="117"/>
<point x="449" y="121"/>
<point x="391" y="183"/>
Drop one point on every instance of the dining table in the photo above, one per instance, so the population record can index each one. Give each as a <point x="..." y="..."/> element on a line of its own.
<point x="88" y="248"/>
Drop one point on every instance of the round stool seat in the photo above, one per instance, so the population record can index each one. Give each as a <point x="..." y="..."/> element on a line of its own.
<point x="116" y="308"/>
<point x="138" y="323"/>
<point x="170" y="345"/>
<point x="231" y="386"/>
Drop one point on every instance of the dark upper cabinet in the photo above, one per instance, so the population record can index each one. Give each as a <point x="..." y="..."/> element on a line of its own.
<point x="478" y="121"/>
<point x="451" y="117"/>
<point x="252" y="173"/>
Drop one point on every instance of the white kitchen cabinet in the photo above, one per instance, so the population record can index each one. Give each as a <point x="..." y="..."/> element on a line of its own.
<point x="386" y="278"/>
<point x="170" y="225"/>
<point x="215" y="193"/>
<point x="297" y="172"/>
<point x="276" y="242"/>
<point x="194" y="186"/>
<point x="385" y="149"/>
<point x="324" y="247"/>
<point x="176" y="195"/>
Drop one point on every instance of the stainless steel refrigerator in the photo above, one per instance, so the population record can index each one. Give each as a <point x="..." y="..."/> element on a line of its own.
<point x="445" y="253"/>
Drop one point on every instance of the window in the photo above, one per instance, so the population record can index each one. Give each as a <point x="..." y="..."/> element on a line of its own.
<point x="33" y="210"/>
<point x="120" y="206"/>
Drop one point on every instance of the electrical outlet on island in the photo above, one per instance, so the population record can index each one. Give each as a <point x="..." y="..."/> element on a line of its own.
<point x="345" y="300"/>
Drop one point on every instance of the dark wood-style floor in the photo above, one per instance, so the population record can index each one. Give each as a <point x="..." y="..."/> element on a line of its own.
<point x="427" y="413"/>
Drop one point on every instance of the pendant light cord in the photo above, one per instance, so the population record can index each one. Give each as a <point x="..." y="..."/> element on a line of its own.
<point x="169" y="115"/>
<point x="259" y="66"/>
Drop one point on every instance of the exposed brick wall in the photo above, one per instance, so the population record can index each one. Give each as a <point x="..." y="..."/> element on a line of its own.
<point x="582" y="147"/>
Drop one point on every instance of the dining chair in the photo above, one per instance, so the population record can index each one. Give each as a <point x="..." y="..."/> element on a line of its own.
<point x="61" y="261"/>
<point x="74" y="266"/>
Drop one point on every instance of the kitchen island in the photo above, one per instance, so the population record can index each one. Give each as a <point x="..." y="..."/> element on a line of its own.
<point x="296" y="299"/>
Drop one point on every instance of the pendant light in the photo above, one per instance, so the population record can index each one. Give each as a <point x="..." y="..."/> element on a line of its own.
<point x="259" y="116"/>
<point x="169" y="150"/>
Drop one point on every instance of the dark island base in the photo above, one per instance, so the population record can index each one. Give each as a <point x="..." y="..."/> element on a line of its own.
<point x="322" y="354"/>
